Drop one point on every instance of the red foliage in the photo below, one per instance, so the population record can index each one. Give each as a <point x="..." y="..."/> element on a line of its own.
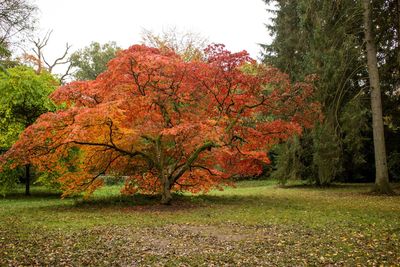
<point x="166" y="123"/>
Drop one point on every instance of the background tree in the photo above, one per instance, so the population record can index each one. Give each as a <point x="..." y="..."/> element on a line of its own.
<point x="24" y="97"/>
<point x="17" y="20"/>
<point x="16" y="17"/>
<point x="92" y="60"/>
<point x="166" y="123"/>
<point x="188" y="45"/>
<point x="321" y="37"/>
<point x="326" y="38"/>
<point x="382" y="176"/>
<point x="386" y="18"/>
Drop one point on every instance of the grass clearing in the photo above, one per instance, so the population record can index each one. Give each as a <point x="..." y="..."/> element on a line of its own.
<point x="256" y="223"/>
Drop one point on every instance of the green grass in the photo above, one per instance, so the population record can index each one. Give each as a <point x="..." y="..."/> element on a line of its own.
<point x="256" y="223"/>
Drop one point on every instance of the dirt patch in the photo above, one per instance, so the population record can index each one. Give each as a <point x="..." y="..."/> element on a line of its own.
<point x="221" y="233"/>
<point x="177" y="205"/>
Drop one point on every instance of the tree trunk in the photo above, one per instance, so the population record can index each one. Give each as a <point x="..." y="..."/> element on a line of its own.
<point x="27" y="179"/>
<point x="166" y="196"/>
<point x="398" y="45"/>
<point x="382" y="177"/>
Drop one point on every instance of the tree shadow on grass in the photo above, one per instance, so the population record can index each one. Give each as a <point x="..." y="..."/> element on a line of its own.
<point x="179" y="201"/>
<point x="33" y="196"/>
<point x="143" y="202"/>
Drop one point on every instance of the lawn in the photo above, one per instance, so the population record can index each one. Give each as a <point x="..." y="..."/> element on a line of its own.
<point x="255" y="224"/>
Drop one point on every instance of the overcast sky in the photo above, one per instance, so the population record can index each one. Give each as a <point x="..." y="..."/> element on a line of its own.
<point x="239" y="24"/>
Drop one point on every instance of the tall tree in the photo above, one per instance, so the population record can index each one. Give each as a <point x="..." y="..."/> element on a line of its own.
<point x="320" y="38"/>
<point x="166" y="123"/>
<point x="382" y="176"/>
<point x="325" y="38"/>
<point x="386" y="20"/>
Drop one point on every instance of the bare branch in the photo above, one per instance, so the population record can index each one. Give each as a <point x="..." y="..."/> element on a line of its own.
<point x="39" y="45"/>
<point x="66" y="73"/>
<point x="58" y="61"/>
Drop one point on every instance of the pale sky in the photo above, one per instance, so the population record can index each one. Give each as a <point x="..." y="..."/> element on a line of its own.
<point x="239" y="24"/>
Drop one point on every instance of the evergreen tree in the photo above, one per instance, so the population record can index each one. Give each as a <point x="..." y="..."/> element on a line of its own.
<point x="322" y="38"/>
<point x="326" y="38"/>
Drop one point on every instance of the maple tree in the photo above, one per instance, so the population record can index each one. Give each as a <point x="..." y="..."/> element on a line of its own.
<point x="165" y="123"/>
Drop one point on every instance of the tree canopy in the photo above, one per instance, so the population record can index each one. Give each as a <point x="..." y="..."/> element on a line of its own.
<point x="24" y="97"/>
<point x="17" y="20"/>
<point x="16" y="16"/>
<point x="166" y="123"/>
